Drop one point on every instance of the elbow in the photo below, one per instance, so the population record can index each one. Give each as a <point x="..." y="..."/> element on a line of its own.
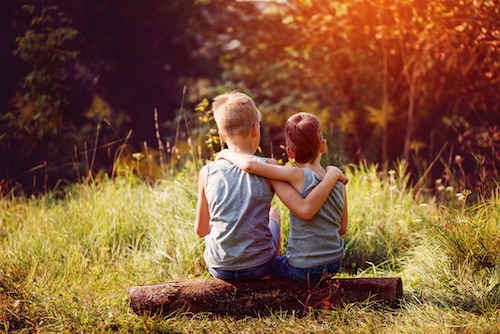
<point x="343" y="226"/>
<point x="305" y="213"/>
<point x="307" y="216"/>
<point x="249" y="167"/>
<point x="201" y="232"/>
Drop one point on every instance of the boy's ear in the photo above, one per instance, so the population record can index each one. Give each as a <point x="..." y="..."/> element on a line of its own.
<point x="290" y="153"/>
<point x="322" y="147"/>
<point x="221" y="136"/>
<point x="255" y="129"/>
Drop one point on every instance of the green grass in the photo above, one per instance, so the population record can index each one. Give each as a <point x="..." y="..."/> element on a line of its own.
<point x="67" y="258"/>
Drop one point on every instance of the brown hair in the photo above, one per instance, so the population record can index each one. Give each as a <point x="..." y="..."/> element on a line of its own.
<point x="235" y="113"/>
<point x="303" y="136"/>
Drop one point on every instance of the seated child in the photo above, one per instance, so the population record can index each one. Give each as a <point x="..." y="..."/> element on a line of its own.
<point x="234" y="207"/>
<point x="315" y="247"/>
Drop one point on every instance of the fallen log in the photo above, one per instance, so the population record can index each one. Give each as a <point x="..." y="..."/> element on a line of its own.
<point x="253" y="298"/>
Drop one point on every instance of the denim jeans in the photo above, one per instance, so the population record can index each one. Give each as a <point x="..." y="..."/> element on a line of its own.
<point x="283" y="269"/>
<point x="254" y="273"/>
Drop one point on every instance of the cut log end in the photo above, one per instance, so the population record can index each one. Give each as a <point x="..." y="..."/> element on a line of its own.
<point x="251" y="298"/>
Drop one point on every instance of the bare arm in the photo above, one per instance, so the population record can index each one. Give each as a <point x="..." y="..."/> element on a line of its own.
<point x="268" y="170"/>
<point x="202" y="224"/>
<point x="306" y="208"/>
<point x="288" y="191"/>
<point x="344" y="219"/>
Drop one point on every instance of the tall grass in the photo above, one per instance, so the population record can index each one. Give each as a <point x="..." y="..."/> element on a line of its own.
<point x="67" y="258"/>
<point x="66" y="262"/>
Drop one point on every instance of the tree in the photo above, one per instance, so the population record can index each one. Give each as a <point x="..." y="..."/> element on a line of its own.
<point x="79" y="70"/>
<point x="392" y="74"/>
<point x="39" y="110"/>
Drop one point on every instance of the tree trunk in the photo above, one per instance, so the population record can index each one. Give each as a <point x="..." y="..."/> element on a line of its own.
<point x="409" y="122"/>
<point x="253" y="298"/>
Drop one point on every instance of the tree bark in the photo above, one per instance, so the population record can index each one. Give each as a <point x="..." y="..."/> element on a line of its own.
<point x="255" y="298"/>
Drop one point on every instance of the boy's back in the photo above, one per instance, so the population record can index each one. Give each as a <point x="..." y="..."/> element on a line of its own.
<point x="239" y="205"/>
<point x="317" y="242"/>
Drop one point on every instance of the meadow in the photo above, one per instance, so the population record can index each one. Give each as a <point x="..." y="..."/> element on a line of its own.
<point x="67" y="258"/>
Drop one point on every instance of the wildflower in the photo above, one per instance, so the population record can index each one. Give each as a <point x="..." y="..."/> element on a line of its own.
<point x="392" y="182"/>
<point x="449" y="189"/>
<point x="137" y="156"/>
<point x="462" y="196"/>
<point x="439" y="184"/>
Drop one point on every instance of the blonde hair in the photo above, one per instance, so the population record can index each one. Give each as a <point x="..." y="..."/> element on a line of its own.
<point x="235" y="113"/>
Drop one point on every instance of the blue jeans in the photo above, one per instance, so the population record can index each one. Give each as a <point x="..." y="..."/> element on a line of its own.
<point x="283" y="269"/>
<point x="253" y="273"/>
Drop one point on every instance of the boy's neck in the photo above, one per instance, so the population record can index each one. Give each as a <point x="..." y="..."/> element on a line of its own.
<point x="241" y="147"/>
<point x="314" y="166"/>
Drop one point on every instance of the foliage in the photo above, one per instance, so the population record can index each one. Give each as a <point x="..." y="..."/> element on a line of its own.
<point x="395" y="77"/>
<point x="66" y="258"/>
<point x="81" y="75"/>
<point x="44" y="46"/>
<point x="38" y="116"/>
<point x="389" y="80"/>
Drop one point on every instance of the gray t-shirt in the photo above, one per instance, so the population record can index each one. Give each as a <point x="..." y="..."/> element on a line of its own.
<point x="317" y="242"/>
<point x="239" y="204"/>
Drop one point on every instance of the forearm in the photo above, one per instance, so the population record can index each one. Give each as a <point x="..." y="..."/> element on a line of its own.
<point x="240" y="160"/>
<point x="291" y="198"/>
<point x="306" y="208"/>
<point x="317" y="197"/>
<point x="202" y="223"/>
<point x="344" y="219"/>
<point x="202" y="226"/>
<point x="268" y="170"/>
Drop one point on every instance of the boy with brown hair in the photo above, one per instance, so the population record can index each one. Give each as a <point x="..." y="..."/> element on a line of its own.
<point x="234" y="212"/>
<point x="315" y="247"/>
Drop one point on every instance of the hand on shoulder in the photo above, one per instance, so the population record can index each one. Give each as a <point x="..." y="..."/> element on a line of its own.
<point x="335" y="169"/>
<point x="221" y="155"/>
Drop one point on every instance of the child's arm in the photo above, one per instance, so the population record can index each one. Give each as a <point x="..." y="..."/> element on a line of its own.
<point x="269" y="171"/>
<point x="344" y="217"/>
<point x="202" y="224"/>
<point x="306" y="208"/>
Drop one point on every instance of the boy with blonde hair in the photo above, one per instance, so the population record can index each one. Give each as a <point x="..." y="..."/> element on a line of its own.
<point x="234" y="212"/>
<point x="315" y="247"/>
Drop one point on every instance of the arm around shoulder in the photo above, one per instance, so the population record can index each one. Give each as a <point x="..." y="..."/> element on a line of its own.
<point x="270" y="170"/>
<point x="306" y="208"/>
